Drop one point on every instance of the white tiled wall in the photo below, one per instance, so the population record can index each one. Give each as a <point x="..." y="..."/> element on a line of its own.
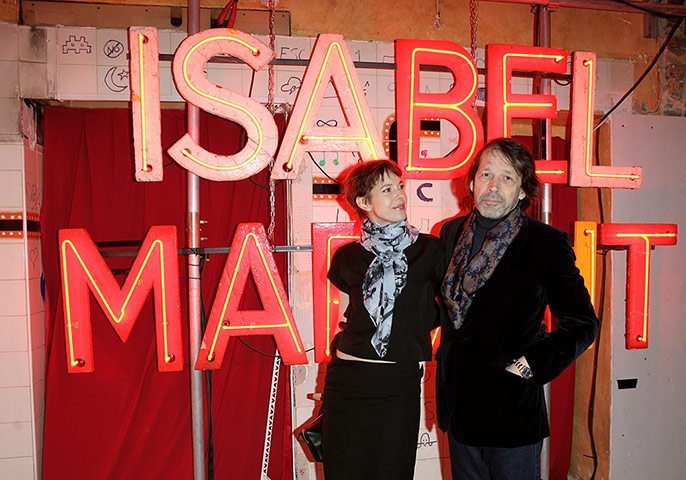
<point x="23" y="72"/>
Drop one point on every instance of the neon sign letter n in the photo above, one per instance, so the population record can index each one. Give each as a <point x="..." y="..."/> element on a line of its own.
<point x="155" y="268"/>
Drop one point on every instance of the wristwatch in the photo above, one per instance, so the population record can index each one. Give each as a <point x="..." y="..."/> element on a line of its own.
<point x="524" y="370"/>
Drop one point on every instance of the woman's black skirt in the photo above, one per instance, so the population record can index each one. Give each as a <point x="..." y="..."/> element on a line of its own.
<point x="371" y="420"/>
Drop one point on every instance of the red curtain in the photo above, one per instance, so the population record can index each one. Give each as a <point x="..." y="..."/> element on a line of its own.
<point x="127" y="420"/>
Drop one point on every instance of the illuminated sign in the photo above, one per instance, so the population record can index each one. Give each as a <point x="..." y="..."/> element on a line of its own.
<point x="250" y="254"/>
<point x="503" y="105"/>
<point x="155" y="268"/>
<point x="144" y="80"/>
<point x="639" y="238"/>
<point x="262" y="135"/>
<point x="585" y="245"/>
<point x="582" y="172"/>
<point x="330" y="61"/>
<point x="455" y="105"/>
<point x="326" y="238"/>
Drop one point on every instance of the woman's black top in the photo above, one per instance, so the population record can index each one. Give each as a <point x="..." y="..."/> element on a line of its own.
<point x="415" y="313"/>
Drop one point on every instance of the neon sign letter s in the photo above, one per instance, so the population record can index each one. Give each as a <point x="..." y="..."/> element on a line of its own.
<point x="191" y="82"/>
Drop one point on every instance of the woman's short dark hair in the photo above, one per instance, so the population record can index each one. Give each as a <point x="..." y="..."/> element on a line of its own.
<point x="363" y="177"/>
<point x="521" y="159"/>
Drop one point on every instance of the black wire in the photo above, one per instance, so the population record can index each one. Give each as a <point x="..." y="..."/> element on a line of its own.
<point x="594" y="379"/>
<point x="264" y="353"/>
<point x="645" y="72"/>
<point x="648" y="10"/>
<point x="261" y="185"/>
<point x="600" y="192"/>
<point x="257" y="350"/>
<point x="322" y="170"/>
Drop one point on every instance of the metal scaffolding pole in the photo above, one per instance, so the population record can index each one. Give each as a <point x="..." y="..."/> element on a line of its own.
<point x="194" y="284"/>
<point x="546" y="210"/>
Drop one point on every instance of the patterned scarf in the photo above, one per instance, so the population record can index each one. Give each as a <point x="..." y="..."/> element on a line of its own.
<point x="465" y="277"/>
<point x="386" y="276"/>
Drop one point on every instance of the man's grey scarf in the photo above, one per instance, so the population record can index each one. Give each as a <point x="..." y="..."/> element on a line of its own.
<point x="386" y="276"/>
<point x="466" y="275"/>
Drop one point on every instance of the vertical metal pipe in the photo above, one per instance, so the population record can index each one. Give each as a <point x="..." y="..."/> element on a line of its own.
<point x="545" y="133"/>
<point x="546" y="211"/>
<point x="194" y="284"/>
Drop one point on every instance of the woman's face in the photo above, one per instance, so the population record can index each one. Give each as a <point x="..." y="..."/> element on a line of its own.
<point x="386" y="202"/>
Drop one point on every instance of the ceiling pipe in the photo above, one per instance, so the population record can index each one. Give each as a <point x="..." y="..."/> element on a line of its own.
<point x="606" y="5"/>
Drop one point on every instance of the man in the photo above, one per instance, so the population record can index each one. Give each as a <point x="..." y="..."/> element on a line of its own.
<point x="504" y="268"/>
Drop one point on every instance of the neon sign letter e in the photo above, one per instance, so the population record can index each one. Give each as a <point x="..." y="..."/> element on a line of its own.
<point x="503" y="105"/>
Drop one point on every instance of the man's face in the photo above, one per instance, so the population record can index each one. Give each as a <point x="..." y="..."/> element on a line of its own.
<point x="497" y="186"/>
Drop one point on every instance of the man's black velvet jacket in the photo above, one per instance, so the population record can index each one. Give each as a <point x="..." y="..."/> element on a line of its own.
<point x="481" y="402"/>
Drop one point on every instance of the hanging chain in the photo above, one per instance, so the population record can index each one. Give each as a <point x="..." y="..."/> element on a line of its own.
<point x="473" y="23"/>
<point x="272" y="109"/>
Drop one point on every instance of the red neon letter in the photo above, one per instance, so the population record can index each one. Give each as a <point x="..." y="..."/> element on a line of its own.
<point x="156" y="267"/>
<point x="144" y="81"/>
<point x="585" y="245"/>
<point x="454" y="105"/>
<point x="191" y="82"/>
<point x="639" y="238"/>
<point x="330" y="60"/>
<point x="581" y="172"/>
<point x="503" y="105"/>
<point x="326" y="238"/>
<point x="250" y="252"/>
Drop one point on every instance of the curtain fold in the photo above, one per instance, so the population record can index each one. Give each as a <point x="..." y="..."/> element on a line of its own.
<point x="127" y="420"/>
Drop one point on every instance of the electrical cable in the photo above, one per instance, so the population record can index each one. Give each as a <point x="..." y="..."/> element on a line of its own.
<point x="229" y="10"/>
<point x="645" y="73"/>
<point x="601" y="308"/>
<point x="648" y="10"/>
<point x="594" y="379"/>
<point x="321" y="169"/>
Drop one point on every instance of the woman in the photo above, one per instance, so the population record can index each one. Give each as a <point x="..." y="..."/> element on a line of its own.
<point x="391" y="276"/>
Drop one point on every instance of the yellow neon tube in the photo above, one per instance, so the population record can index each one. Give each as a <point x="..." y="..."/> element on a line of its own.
<point x="329" y="301"/>
<point x="367" y="139"/>
<point x="260" y="139"/>
<point x="454" y="106"/>
<point x="220" y="327"/>
<point x="134" y="284"/>
<point x="507" y="104"/>
<point x="589" y="132"/>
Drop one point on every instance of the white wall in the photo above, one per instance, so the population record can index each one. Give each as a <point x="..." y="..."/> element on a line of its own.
<point x="648" y="423"/>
